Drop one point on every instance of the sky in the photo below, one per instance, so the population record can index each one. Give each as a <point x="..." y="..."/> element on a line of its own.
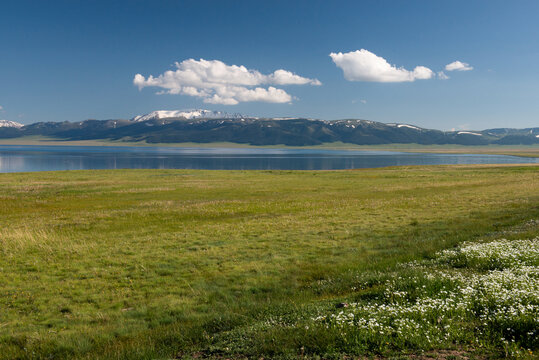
<point x="437" y="64"/>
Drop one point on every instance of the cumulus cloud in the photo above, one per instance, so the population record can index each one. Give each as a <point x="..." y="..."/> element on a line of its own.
<point x="442" y="75"/>
<point x="363" y="65"/>
<point x="458" y="66"/>
<point x="218" y="83"/>
<point x="1" y="108"/>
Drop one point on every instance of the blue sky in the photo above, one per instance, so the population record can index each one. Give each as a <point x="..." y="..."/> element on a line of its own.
<point x="74" y="60"/>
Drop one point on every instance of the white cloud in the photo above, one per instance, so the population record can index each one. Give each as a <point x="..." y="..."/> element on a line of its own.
<point x="363" y="101"/>
<point x="1" y="108"/>
<point x="283" y="77"/>
<point x="461" y="127"/>
<point x="459" y="66"/>
<point x="442" y="75"/>
<point x="363" y="65"/>
<point x="219" y="83"/>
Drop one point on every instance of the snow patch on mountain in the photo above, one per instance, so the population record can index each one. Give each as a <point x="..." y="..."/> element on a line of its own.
<point x="408" y="126"/>
<point x="469" y="133"/>
<point x="186" y="114"/>
<point x="7" y="123"/>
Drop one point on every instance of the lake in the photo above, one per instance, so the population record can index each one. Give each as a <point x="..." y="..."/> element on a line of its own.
<point x="15" y="158"/>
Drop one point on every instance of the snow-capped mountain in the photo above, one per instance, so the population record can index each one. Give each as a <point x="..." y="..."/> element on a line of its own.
<point x="187" y="114"/>
<point x="203" y="126"/>
<point x="13" y="124"/>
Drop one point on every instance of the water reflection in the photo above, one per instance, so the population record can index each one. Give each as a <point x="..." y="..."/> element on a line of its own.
<point x="45" y="158"/>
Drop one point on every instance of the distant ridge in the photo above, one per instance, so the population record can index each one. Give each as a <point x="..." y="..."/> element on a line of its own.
<point x="206" y="126"/>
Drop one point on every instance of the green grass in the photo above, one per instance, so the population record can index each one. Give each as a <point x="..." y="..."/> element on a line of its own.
<point x="478" y="296"/>
<point x="177" y="263"/>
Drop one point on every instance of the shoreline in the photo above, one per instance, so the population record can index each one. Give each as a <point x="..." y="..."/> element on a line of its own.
<point x="511" y="150"/>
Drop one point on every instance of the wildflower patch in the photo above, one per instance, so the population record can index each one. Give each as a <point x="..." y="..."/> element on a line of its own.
<point x="477" y="295"/>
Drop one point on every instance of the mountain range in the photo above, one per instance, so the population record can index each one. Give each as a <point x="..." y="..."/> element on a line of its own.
<point x="204" y="126"/>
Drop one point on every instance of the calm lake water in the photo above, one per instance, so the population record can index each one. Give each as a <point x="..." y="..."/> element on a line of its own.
<point x="14" y="158"/>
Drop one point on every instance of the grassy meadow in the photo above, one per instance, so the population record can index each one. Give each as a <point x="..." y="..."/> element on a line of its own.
<point x="162" y="264"/>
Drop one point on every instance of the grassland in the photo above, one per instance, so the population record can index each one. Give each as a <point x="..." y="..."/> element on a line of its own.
<point x="514" y="150"/>
<point x="146" y="264"/>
